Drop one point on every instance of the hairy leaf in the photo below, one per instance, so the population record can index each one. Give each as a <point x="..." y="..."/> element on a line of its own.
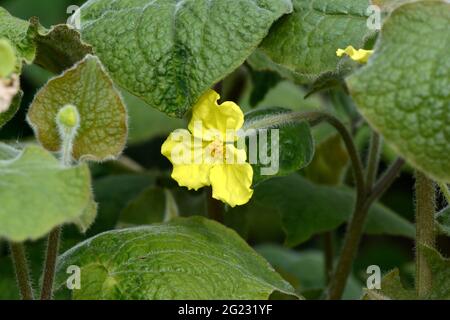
<point x="103" y="117"/>
<point x="392" y="287"/>
<point x="59" y="48"/>
<point x="291" y="151"/>
<point x="169" y="52"/>
<point x="403" y="91"/>
<point x="185" y="259"/>
<point x="38" y="194"/>
<point x="303" y="45"/>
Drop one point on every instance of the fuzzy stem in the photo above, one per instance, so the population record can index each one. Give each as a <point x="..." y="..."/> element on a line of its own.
<point x="373" y="160"/>
<point x="22" y="271"/>
<point x="425" y="230"/>
<point x="355" y="230"/>
<point x="50" y="263"/>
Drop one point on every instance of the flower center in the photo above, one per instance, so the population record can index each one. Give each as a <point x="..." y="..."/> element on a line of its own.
<point x="216" y="150"/>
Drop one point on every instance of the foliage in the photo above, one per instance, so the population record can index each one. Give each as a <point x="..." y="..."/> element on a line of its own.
<point x="87" y="101"/>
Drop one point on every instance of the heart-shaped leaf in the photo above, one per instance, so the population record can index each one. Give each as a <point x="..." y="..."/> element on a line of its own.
<point x="302" y="46"/>
<point x="103" y="117"/>
<point x="289" y="145"/>
<point x="38" y="194"/>
<point x="170" y="52"/>
<point x="404" y="89"/>
<point x="185" y="259"/>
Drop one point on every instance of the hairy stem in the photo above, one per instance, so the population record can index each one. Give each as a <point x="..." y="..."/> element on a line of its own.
<point x="425" y="230"/>
<point x="50" y="264"/>
<point x="22" y="271"/>
<point x="373" y="160"/>
<point x="355" y="231"/>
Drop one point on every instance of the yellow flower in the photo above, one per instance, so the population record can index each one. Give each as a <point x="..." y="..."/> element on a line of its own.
<point x="206" y="155"/>
<point x="360" y="55"/>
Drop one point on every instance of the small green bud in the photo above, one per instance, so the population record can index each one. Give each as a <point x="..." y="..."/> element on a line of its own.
<point x="8" y="58"/>
<point x="68" y="117"/>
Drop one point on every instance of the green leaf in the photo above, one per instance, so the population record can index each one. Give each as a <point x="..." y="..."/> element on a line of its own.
<point x="185" y="259"/>
<point x="307" y="209"/>
<point x="303" y="45"/>
<point x="295" y="145"/>
<point x="12" y="109"/>
<point x="305" y="270"/>
<point x="103" y="117"/>
<point x="169" y="53"/>
<point x="59" y="48"/>
<point x="16" y="31"/>
<point x="392" y="287"/>
<point x="403" y="91"/>
<point x="38" y="194"/>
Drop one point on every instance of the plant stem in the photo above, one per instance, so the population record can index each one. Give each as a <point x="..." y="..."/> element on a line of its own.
<point x="355" y="230"/>
<point x="328" y="244"/>
<point x="425" y="230"/>
<point x="50" y="264"/>
<point x="22" y="271"/>
<point x="373" y="160"/>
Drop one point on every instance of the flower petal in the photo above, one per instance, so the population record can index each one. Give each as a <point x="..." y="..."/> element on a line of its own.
<point x="209" y="119"/>
<point x="186" y="154"/>
<point x="231" y="183"/>
<point x="360" y="55"/>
